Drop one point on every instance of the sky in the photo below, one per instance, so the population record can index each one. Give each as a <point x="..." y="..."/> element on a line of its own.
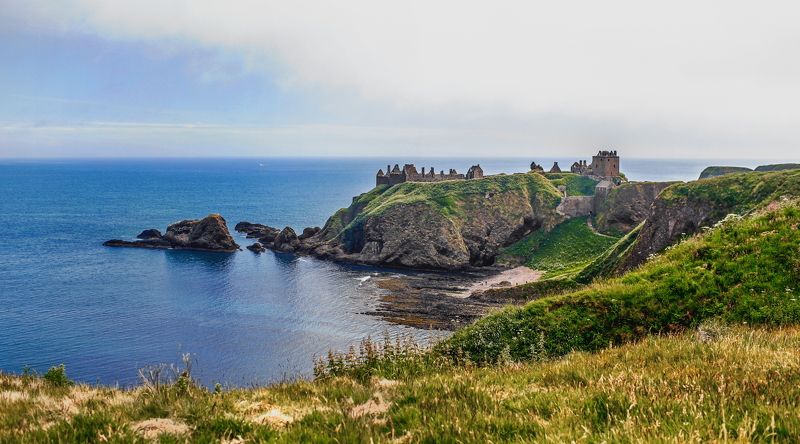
<point x="678" y="79"/>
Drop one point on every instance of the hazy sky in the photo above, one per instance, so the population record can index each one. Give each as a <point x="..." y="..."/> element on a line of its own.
<point x="693" y="78"/>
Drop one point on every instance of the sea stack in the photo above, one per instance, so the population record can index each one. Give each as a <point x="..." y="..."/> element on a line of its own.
<point x="207" y="234"/>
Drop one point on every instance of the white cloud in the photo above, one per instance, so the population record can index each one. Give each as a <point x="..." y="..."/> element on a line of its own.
<point x="718" y="73"/>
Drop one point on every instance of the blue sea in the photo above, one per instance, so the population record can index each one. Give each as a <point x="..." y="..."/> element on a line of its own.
<point x="245" y="318"/>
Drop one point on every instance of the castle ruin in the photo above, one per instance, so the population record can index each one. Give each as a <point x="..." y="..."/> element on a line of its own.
<point x="604" y="164"/>
<point x="409" y="173"/>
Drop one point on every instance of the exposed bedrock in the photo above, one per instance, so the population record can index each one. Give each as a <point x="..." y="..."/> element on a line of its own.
<point x="445" y="225"/>
<point x="207" y="234"/>
<point x="626" y="206"/>
<point x="683" y="209"/>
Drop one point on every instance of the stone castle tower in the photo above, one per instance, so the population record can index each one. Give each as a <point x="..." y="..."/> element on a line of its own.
<point x="605" y="164"/>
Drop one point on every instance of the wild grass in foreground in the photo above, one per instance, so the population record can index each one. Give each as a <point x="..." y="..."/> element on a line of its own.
<point x="717" y="384"/>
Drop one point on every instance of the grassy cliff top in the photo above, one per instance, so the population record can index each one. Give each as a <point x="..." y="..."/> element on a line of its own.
<point x="447" y="196"/>
<point x="779" y="167"/>
<point x="714" y="171"/>
<point x="739" y="192"/>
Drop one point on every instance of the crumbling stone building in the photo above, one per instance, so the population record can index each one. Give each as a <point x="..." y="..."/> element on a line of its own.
<point x="604" y="164"/>
<point x="409" y="173"/>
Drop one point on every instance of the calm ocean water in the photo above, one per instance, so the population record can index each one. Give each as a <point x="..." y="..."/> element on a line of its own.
<point x="105" y="312"/>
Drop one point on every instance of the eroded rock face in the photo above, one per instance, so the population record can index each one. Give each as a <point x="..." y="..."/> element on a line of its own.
<point x="207" y="234"/>
<point x="667" y="223"/>
<point x="419" y="235"/>
<point x="626" y="206"/>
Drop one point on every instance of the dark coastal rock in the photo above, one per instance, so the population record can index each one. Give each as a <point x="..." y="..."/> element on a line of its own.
<point x="151" y="233"/>
<point x="286" y="240"/>
<point x="256" y="248"/>
<point x="257" y="231"/>
<point x="145" y="243"/>
<point x="309" y="232"/>
<point x="207" y="234"/>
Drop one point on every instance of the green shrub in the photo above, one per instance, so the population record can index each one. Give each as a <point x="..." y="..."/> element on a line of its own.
<point x="57" y="376"/>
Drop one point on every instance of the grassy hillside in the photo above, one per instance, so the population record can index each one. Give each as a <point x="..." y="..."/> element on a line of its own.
<point x="448" y="196"/>
<point x="604" y="264"/>
<point x="575" y="184"/>
<point x="716" y="385"/>
<point x="737" y="193"/>
<point x="743" y="271"/>
<point x="778" y="167"/>
<point x="566" y="249"/>
<point x="714" y="171"/>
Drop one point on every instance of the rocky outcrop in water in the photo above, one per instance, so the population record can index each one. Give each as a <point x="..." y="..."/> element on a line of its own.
<point x="207" y="234"/>
<point x="151" y="233"/>
<point x="256" y="248"/>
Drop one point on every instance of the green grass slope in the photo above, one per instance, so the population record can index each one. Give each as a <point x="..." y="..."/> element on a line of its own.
<point x="743" y="271"/>
<point x="448" y="197"/>
<point x="565" y="249"/>
<point x="575" y="184"/>
<point x="605" y="264"/>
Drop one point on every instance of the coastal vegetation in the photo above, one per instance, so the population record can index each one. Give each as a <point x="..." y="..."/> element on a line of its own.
<point x="575" y="184"/>
<point x="564" y="250"/>
<point x="742" y="271"/>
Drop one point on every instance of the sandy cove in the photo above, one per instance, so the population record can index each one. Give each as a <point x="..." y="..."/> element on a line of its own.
<point x="504" y="279"/>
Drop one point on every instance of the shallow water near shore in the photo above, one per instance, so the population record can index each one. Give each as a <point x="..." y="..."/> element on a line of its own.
<point x="246" y="319"/>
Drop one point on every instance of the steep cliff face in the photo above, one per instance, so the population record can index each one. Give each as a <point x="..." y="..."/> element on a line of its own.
<point x="683" y="209"/>
<point x="626" y="206"/>
<point x="446" y="225"/>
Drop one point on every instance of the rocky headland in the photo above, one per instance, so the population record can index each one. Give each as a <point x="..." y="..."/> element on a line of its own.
<point x="207" y="234"/>
<point x="434" y="226"/>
